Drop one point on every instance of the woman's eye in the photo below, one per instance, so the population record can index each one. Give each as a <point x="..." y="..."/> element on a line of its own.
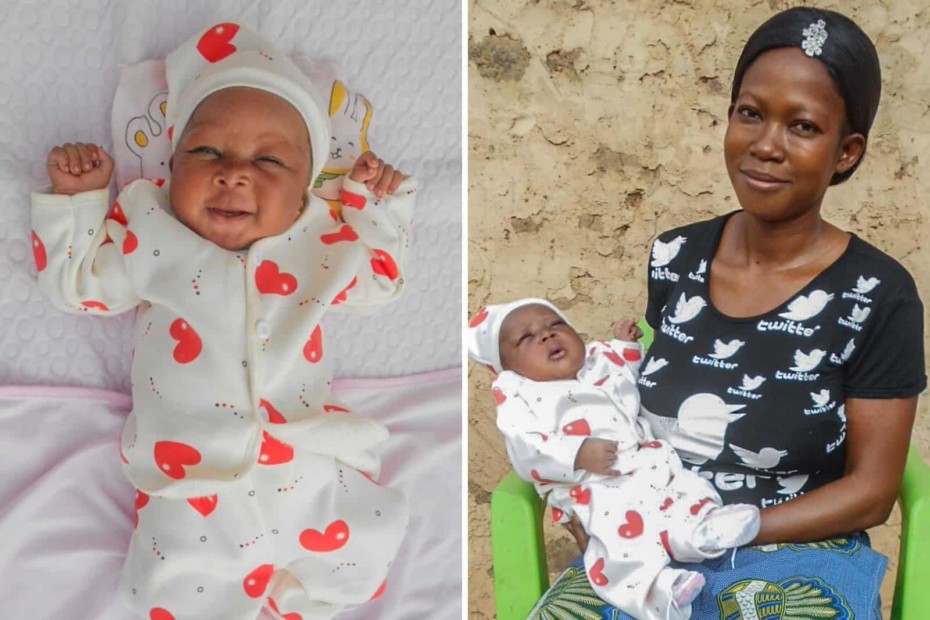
<point x="748" y="113"/>
<point x="806" y="127"/>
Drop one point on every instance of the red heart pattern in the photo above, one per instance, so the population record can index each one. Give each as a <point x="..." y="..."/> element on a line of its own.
<point x="663" y="536"/>
<point x="204" y="505"/>
<point x="631" y="355"/>
<point x="379" y="591"/>
<point x="215" y="44"/>
<point x="256" y="582"/>
<point x="117" y="215"/>
<point x="601" y="381"/>
<point x="313" y="350"/>
<point x="141" y="500"/>
<point x="499" y="397"/>
<point x="384" y="265"/>
<point x="557" y="514"/>
<point x="666" y="504"/>
<point x="353" y="200"/>
<point x="578" y="427"/>
<point x="613" y="357"/>
<point x="479" y="318"/>
<point x="633" y="527"/>
<point x="38" y="252"/>
<point x="655" y="444"/>
<point x="346" y="233"/>
<point x="173" y="456"/>
<point x="274" y="452"/>
<point x="171" y="133"/>
<point x="696" y="508"/>
<point x="582" y="496"/>
<point x="160" y="613"/>
<point x="334" y="409"/>
<point x="290" y="616"/>
<point x="96" y="305"/>
<point x="335" y="537"/>
<point x="596" y="574"/>
<point x="189" y="345"/>
<point x="535" y="476"/>
<point x="343" y="294"/>
<point x="271" y="281"/>
<point x="274" y="416"/>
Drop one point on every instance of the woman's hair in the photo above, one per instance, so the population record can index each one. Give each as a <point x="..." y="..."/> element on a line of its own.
<point x="847" y="53"/>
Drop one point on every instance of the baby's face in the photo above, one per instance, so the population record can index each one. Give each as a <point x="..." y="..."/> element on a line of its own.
<point x="538" y="344"/>
<point x="241" y="169"/>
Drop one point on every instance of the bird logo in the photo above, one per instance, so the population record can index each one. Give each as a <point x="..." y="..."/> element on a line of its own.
<point x="848" y="351"/>
<point x="654" y="365"/>
<point x="858" y="315"/>
<point x="686" y="309"/>
<point x="864" y="286"/>
<point x="751" y="383"/>
<point x="804" y="362"/>
<point x="791" y="484"/>
<point x="702" y="267"/>
<point x="727" y="350"/>
<point x="821" y="398"/>
<point x="766" y="458"/>
<point x="804" y="307"/>
<point x="699" y="429"/>
<point x="841" y="412"/>
<point x="663" y="253"/>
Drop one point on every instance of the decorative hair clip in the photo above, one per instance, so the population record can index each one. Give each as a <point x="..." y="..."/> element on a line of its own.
<point x="814" y="37"/>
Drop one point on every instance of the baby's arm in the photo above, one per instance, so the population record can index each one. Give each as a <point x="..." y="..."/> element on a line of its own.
<point x="79" y="268"/>
<point x="377" y="202"/>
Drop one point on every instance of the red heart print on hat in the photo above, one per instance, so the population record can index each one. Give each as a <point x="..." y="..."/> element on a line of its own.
<point x="204" y="505"/>
<point x="353" y="200"/>
<point x="613" y="357"/>
<point x="38" y="252"/>
<point x="631" y="354"/>
<point x="342" y="296"/>
<point x="290" y="616"/>
<point x="634" y="526"/>
<point x="172" y="457"/>
<point x="379" y="591"/>
<point x="189" y="344"/>
<point x="499" y="397"/>
<point x="479" y="318"/>
<point x="215" y="44"/>
<point x="160" y="613"/>
<point x="271" y="281"/>
<point x="582" y="496"/>
<point x="141" y="500"/>
<point x="117" y="215"/>
<point x="384" y="265"/>
<point x="557" y="514"/>
<point x="346" y="233"/>
<point x="274" y="416"/>
<point x="334" y="538"/>
<point x="274" y="452"/>
<point x="96" y="305"/>
<point x="130" y="243"/>
<point x="256" y="582"/>
<point x="171" y="132"/>
<point x="334" y="409"/>
<point x="578" y="427"/>
<point x="596" y="574"/>
<point x="696" y="508"/>
<point x="313" y="350"/>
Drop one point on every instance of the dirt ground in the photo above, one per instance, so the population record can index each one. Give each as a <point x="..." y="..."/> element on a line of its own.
<point x="596" y="124"/>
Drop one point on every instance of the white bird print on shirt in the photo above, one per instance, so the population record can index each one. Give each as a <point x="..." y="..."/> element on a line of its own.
<point x="766" y="458"/>
<point x="841" y="412"/>
<point x="702" y="267"/>
<point x="751" y="383"/>
<point x="664" y="253"/>
<point x="821" y="398"/>
<point x="686" y="309"/>
<point x="700" y="427"/>
<point x="791" y="484"/>
<point x="724" y="351"/>
<point x="864" y="286"/>
<point x="653" y="365"/>
<point x="859" y="314"/>
<point x="848" y="351"/>
<point x="804" y="307"/>
<point x="804" y="362"/>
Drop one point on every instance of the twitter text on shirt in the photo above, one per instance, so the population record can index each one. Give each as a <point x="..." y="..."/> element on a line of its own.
<point x="787" y="326"/>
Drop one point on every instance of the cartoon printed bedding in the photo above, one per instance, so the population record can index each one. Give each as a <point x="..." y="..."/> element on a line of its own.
<point x="65" y="507"/>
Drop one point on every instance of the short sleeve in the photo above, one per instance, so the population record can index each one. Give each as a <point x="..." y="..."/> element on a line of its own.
<point x="890" y="362"/>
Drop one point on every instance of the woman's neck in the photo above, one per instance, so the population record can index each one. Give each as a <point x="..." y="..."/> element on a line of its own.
<point x="781" y="245"/>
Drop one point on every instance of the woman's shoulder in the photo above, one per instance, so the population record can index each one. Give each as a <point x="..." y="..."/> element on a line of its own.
<point x="704" y="230"/>
<point x="875" y="272"/>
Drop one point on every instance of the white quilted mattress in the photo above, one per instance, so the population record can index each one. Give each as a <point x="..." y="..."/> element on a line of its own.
<point x="59" y="65"/>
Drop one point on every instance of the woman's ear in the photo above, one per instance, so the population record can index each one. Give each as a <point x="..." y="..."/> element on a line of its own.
<point x="851" y="149"/>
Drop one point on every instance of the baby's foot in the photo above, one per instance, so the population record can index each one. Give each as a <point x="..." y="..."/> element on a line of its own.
<point x="686" y="588"/>
<point x="727" y="527"/>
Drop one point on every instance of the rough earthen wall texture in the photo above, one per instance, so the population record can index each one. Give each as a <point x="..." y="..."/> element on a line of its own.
<point x="596" y="124"/>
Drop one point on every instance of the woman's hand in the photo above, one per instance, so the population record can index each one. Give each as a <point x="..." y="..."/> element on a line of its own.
<point x="79" y="167"/>
<point x="378" y="177"/>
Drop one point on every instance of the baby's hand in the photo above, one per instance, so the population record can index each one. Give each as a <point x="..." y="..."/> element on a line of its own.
<point x="75" y="168"/>
<point x="378" y="177"/>
<point x="626" y="329"/>
<point x="597" y="456"/>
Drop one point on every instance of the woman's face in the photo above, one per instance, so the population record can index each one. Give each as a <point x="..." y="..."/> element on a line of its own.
<point x="786" y="136"/>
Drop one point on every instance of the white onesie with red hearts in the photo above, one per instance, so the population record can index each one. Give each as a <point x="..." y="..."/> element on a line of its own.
<point x="255" y="487"/>
<point x="636" y="520"/>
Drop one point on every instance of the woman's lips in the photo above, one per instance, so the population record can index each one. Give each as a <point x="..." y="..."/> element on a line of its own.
<point x="762" y="181"/>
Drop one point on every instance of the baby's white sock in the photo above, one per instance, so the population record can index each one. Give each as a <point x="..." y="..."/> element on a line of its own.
<point x="686" y="588"/>
<point x="727" y="527"/>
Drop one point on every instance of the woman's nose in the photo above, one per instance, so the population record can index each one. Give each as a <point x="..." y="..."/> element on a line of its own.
<point x="769" y="143"/>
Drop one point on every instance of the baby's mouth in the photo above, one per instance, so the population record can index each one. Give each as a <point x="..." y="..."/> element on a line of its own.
<point x="227" y="215"/>
<point x="557" y="354"/>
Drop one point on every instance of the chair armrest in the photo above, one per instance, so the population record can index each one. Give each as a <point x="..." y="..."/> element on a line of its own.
<point x="912" y="592"/>
<point x="519" y="554"/>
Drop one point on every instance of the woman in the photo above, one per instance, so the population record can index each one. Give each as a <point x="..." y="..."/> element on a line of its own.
<point x="789" y="354"/>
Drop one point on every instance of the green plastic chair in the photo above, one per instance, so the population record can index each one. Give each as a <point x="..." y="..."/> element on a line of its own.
<point x="521" y="575"/>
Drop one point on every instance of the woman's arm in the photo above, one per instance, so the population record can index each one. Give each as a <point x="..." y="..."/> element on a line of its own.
<point x="877" y="439"/>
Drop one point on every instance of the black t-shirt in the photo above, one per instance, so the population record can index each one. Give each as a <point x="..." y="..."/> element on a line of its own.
<point x="757" y="405"/>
